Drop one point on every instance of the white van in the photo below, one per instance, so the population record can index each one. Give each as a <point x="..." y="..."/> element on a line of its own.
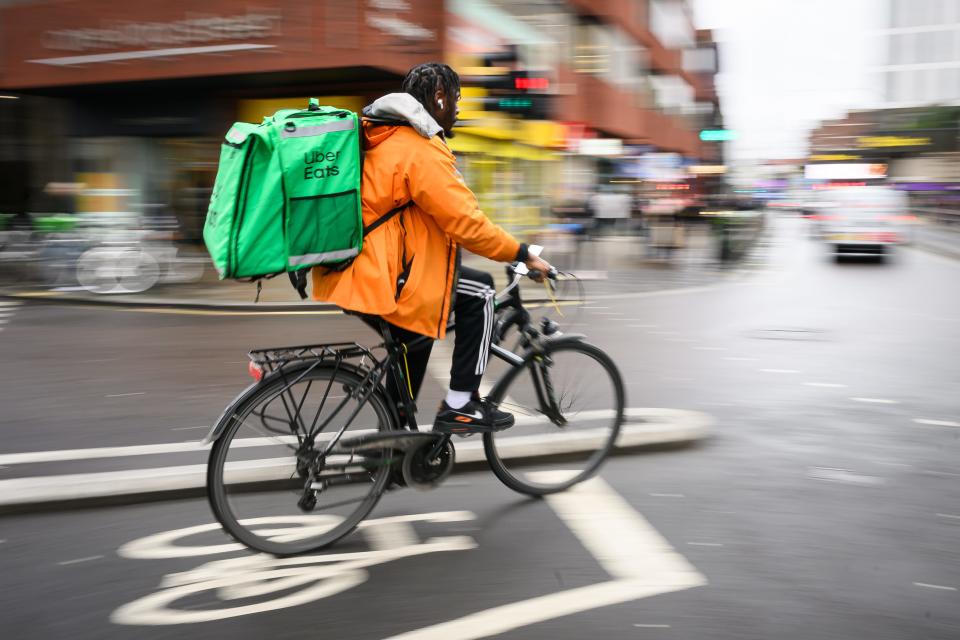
<point x="865" y="221"/>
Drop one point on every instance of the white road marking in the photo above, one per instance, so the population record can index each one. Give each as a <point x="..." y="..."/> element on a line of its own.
<point x="652" y="626"/>
<point x="937" y="423"/>
<point x="189" y="428"/>
<point x="933" y="586"/>
<point x="948" y="516"/>
<point x="876" y="400"/>
<point x="779" y="371"/>
<point x="79" y="560"/>
<point x="826" y="385"/>
<point x="847" y="476"/>
<point x="659" y="424"/>
<point x="641" y="561"/>
<point x="941" y="473"/>
<point x="740" y="359"/>
<point x="705" y="544"/>
<point x="124" y="395"/>
<point x="644" y="426"/>
<point x="667" y="495"/>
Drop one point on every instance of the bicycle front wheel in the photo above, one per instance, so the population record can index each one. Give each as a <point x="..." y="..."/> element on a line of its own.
<point x="271" y="488"/>
<point x="568" y="404"/>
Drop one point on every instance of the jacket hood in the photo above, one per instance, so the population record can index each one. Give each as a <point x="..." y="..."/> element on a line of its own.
<point x="403" y="107"/>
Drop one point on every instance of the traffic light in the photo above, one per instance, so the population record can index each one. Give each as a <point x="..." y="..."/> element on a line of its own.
<point x="498" y="87"/>
<point x="525" y="95"/>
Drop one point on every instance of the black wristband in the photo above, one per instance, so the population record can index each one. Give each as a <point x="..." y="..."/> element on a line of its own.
<point x="523" y="253"/>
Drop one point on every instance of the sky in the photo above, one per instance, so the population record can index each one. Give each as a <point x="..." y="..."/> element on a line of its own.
<point x="785" y="65"/>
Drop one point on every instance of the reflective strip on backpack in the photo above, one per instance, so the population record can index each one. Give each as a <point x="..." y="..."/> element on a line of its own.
<point x="302" y="132"/>
<point x="316" y="258"/>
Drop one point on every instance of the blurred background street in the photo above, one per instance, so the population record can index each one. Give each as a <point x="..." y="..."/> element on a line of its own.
<point x="759" y="199"/>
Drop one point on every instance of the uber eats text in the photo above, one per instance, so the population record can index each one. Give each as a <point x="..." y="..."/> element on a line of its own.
<point x="312" y="160"/>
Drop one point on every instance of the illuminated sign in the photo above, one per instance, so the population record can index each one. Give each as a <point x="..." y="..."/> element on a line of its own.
<point x="707" y="169"/>
<point x="879" y="142"/>
<point x="834" y="157"/>
<point x="850" y="171"/>
<point x="838" y="185"/>
<point x="531" y="83"/>
<point x="669" y="186"/>
<point x="717" y="135"/>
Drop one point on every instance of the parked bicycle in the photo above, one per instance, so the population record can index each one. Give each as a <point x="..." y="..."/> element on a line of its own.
<point x="317" y="433"/>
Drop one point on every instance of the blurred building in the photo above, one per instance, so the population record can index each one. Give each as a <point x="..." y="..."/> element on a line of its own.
<point x="914" y="149"/>
<point x="130" y="101"/>
<point x="922" y="46"/>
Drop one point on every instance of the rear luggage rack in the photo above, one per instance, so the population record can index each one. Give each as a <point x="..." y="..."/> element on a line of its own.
<point x="273" y="358"/>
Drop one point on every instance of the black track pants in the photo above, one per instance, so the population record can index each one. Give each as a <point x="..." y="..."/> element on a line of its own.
<point x="473" y="309"/>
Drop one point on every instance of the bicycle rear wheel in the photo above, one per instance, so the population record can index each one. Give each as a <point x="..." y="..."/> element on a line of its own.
<point x="568" y="406"/>
<point x="269" y="487"/>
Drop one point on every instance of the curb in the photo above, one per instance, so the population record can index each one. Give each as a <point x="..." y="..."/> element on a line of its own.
<point x="643" y="429"/>
<point x="260" y="308"/>
<point x="45" y="297"/>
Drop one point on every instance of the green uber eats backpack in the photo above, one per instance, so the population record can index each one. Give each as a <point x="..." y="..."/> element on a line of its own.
<point x="287" y="196"/>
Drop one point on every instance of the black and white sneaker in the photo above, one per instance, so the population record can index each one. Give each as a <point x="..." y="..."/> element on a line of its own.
<point x="477" y="416"/>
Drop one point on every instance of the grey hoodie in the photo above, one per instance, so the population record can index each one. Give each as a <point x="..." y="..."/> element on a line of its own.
<point x="403" y="106"/>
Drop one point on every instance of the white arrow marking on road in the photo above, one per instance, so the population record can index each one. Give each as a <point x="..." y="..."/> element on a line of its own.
<point x="642" y="562"/>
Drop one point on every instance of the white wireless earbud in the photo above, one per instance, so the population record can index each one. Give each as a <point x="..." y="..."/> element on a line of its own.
<point x="440" y="102"/>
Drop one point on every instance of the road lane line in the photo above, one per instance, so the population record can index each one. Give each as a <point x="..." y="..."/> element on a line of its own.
<point x="622" y="541"/>
<point x="826" y="385"/>
<point x="876" y="400"/>
<point x="937" y="423"/>
<point x="847" y="476"/>
<point x="124" y="395"/>
<point x="659" y="425"/>
<point x="656" y="426"/>
<point x="933" y="586"/>
<point x="79" y="560"/>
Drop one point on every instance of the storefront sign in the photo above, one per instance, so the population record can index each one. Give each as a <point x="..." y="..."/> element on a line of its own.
<point x="255" y="25"/>
<point x="851" y="171"/>
<point x="879" y="142"/>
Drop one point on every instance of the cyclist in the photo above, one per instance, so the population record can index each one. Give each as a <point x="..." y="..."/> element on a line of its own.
<point x="408" y="273"/>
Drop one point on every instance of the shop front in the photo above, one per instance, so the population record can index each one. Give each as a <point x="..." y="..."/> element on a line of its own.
<point x="133" y="99"/>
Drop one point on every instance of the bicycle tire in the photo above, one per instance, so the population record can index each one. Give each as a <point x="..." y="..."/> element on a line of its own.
<point x="265" y="393"/>
<point x="509" y="472"/>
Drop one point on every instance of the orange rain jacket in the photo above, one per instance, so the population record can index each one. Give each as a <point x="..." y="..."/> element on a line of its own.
<point x="402" y="166"/>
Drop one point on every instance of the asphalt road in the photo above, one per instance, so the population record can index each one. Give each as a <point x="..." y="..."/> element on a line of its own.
<point x="826" y="505"/>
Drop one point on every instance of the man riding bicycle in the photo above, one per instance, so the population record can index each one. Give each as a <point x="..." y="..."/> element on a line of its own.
<point x="408" y="274"/>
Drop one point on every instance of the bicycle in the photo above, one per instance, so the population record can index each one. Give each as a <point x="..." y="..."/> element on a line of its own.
<point x="340" y="449"/>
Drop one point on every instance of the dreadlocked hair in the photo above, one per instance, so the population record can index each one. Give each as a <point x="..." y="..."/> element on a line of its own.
<point x="423" y="81"/>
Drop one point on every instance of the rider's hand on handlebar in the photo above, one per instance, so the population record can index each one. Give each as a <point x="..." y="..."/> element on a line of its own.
<point x="539" y="267"/>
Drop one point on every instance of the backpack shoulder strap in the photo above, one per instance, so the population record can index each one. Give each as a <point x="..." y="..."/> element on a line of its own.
<point x="367" y="230"/>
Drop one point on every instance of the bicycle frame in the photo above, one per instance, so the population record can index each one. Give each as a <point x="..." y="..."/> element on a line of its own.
<point x="295" y="363"/>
